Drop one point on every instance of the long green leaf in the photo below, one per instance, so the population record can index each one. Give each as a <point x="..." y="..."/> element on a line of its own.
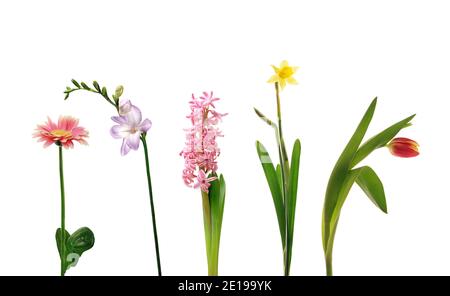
<point x="340" y="172"/>
<point x="272" y="181"/>
<point x="373" y="187"/>
<point x="291" y="201"/>
<point x="380" y="140"/>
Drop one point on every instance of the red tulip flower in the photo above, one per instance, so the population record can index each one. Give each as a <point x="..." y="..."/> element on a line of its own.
<point x="404" y="147"/>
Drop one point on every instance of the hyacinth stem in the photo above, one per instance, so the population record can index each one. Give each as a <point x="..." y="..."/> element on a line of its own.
<point x="207" y="223"/>
<point x="63" y="210"/>
<point x="284" y="165"/>
<point x="149" y="181"/>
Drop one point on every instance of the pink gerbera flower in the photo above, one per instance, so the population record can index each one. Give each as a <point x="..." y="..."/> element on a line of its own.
<point x="63" y="133"/>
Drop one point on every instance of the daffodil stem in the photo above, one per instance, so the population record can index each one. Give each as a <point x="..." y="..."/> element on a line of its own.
<point x="63" y="210"/>
<point x="149" y="181"/>
<point x="284" y="165"/>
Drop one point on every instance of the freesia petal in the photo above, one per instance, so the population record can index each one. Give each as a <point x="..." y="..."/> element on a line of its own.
<point x="119" y="119"/>
<point x="125" y="106"/>
<point x="120" y="131"/>
<point x="145" y="125"/>
<point x="133" y="140"/>
<point x="124" y="149"/>
<point x="134" y="116"/>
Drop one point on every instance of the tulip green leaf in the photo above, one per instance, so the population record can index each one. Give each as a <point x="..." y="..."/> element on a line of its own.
<point x="344" y="175"/>
<point x="275" y="187"/>
<point x="341" y="169"/>
<point x="380" y="140"/>
<point x="373" y="187"/>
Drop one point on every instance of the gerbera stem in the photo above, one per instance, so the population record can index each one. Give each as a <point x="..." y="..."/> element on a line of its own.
<point x="63" y="211"/>
<point x="149" y="181"/>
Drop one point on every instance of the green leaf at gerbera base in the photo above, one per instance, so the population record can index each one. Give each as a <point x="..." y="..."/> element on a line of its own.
<point x="80" y="241"/>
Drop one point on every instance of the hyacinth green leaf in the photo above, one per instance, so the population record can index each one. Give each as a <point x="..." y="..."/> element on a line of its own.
<point x="217" y="202"/>
<point x="380" y="140"/>
<point x="372" y="186"/>
<point x="291" y="200"/>
<point x="275" y="188"/>
<point x="339" y="175"/>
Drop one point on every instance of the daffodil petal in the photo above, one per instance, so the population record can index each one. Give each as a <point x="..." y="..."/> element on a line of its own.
<point x="284" y="64"/>
<point x="291" y="80"/>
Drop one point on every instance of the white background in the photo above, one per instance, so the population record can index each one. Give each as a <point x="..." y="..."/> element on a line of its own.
<point x="162" y="51"/>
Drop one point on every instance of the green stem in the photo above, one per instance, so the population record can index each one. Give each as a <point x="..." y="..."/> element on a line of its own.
<point x="63" y="211"/>
<point x="207" y="223"/>
<point x="284" y="164"/>
<point x="149" y="181"/>
<point x="329" y="264"/>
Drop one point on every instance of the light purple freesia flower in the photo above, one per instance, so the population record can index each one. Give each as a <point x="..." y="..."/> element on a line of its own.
<point x="130" y="126"/>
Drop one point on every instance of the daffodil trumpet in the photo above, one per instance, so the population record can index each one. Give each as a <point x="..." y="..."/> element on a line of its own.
<point x="132" y="129"/>
<point x="64" y="134"/>
<point x="282" y="178"/>
<point x="345" y="174"/>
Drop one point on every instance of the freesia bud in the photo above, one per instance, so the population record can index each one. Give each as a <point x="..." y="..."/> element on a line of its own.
<point x="403" y="147"/>
<point x="119" y="91"/>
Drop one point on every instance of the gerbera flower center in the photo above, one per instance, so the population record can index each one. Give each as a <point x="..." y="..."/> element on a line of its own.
<point x="61" y="133"/>
<point x="286" y="72"/>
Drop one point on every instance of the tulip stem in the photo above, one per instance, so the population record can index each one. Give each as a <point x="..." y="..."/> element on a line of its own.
<point x="63" y="211"/>
<point x="149" y="181"/>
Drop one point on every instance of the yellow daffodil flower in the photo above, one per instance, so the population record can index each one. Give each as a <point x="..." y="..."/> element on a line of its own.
<point x="283" y="74"/>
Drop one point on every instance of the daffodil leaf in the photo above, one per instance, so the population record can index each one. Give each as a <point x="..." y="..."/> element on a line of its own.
<point x="380" y="140"/>
<point x="275" y="188"/>
<point x="373" y="187"/>
<point x="291" y="199"/>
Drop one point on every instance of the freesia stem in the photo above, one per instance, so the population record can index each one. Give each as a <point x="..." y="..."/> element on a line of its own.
<point x="63" y="211"/>
<point x="155" y="233"/>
